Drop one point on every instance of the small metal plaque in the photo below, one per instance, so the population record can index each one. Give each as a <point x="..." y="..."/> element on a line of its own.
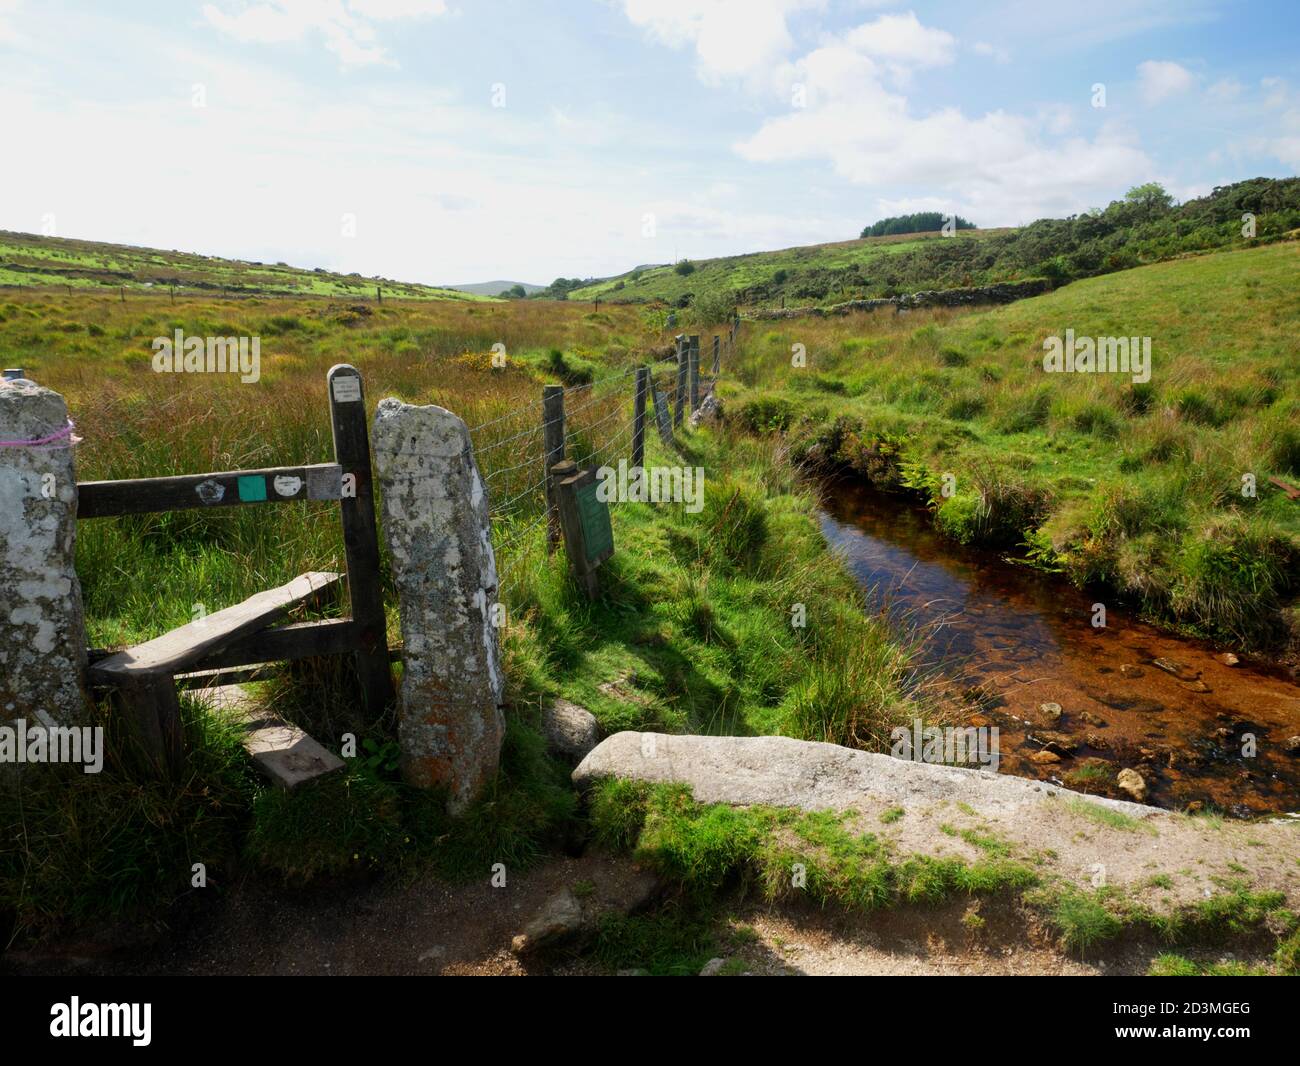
<point x="347" y="388"/>
<point x="326" y="484"/>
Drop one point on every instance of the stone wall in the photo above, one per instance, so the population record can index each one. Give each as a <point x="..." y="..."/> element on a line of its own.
<point x="984" y="294"/>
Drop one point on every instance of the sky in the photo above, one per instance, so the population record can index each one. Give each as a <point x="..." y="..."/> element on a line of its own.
<point x="452" y="141"/>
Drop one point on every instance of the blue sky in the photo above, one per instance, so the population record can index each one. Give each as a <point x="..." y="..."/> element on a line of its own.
<point x="446" y="141"/>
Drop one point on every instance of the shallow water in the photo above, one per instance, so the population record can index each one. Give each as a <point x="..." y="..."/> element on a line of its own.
<point x="1023" y="639"/>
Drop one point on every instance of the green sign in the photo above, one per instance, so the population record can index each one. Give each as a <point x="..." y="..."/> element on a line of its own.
<point x="597" y="534"/>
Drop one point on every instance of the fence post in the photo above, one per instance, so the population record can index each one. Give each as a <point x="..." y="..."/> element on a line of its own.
<point x="588" y="537"/>
<point x="717" y="355"/>
<point x="42" y="629"/>
<point x="438" y="528"/>
<point x="638" y="416"/>
<point x="683" y="352"/>
<point x="360" y="536"/>
<point x="553" y="447"/>
<point x="694" y="364"/>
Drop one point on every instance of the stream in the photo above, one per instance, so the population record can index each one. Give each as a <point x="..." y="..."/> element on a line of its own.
<point x="1014" y="639"/>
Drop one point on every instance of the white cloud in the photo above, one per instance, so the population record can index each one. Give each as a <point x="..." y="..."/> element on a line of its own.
<point x="1224" y="91"/>
<point x="9" y="34"/>
<point x="344" y="25"/>
<point x="731" y="37"/>
<point x="1159" y="79"/>
<point x="992" y="51"/>
<point x="999" y="168"/>
<point x="902" y="40"/>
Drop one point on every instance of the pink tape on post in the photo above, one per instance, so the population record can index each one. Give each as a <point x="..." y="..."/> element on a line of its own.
<point x="64" y="434"/>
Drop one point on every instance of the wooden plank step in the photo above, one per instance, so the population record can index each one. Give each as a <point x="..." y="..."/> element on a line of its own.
<point x="173" y="652"/>
<point x="283" y="752"/>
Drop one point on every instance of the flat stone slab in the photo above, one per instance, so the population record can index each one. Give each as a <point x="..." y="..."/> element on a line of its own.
<point x="812" y="776"/>
<point x="283" y="752"/>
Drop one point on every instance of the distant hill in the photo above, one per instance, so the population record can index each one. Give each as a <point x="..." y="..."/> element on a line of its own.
<point x="804" y="274"/>
<point x="30" y="260"/>
<point x="495" y="288"/>
<point x="1144" y="227"/>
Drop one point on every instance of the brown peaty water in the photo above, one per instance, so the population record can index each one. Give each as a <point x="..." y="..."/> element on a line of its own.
<point x="1013" y="639"/>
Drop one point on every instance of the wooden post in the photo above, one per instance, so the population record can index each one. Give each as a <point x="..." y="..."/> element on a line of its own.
<point x="694" y="365"/>
<point x="588" y="540"/>
<point x="638" y="416"/>
<point x="553" y="449"/>
<point x="121" y="293"/>
<point x="683" y="354"/>
<point x="717" y="355"/>
<point x="360" y="535"/>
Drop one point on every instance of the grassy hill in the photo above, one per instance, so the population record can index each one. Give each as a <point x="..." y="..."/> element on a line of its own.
<point x="1145" y="226"/>
<point x="32" y="261"/>
<point x="794" y="272"/>
<point x="1135" y="487"/>
<point x="495" y="288"/>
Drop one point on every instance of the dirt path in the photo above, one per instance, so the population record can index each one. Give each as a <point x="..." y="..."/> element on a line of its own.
<point x="431" y="928"/>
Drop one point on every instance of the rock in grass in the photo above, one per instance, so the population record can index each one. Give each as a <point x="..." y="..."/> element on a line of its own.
<point x="1132" y="782"/>
<point x="571" y="731"/>
<point x="559" y="918"/>
<point x="713" y="967"/>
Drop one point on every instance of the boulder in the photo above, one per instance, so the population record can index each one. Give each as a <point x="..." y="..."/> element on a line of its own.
<point x="559" y="918"/>
<point x="810" y="775"/>
<point x="571" y="731"/>
<point x="1132" y="782"/>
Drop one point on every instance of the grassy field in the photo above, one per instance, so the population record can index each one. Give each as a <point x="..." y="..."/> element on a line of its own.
<point x="693" y="630"/>
<point x="32" y="261"/>
<point x="1132" y="486"/>
<point x="1145" y="226"/>
<point x="1136" y="488"/>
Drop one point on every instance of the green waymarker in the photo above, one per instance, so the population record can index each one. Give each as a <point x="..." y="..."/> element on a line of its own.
<point x="252" y="489"/>
<point x="597" y="533"/>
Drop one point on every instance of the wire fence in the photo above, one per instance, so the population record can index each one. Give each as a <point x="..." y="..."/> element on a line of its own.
<point x="511" y="451"/>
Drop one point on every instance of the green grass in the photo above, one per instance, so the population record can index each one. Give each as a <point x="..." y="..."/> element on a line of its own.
<point x="1126" y="234"/>
<point x="33" y="261"/>
<point x="1127" y="488"/>
<point x="786" y="854"/>
<point x="711" y="850"/>
<point x="833" y="270"/>
<point x="692" y="631"/>
<point x="1111" y="819"/>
